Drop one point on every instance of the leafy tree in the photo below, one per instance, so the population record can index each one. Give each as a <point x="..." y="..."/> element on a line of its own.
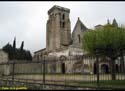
<point x="109" y="41"/>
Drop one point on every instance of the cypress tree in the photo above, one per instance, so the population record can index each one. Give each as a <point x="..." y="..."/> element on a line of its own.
<point x="17" y="53"/>
<point x="14" y="49"/>
<point x="14" y="43"/>
<point x="22" y="45"/>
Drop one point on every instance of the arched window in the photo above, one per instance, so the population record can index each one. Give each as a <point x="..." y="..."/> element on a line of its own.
<point x="79" y="38"/>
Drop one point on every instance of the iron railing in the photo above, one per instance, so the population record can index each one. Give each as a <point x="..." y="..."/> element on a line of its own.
<point x="56" y="74"/>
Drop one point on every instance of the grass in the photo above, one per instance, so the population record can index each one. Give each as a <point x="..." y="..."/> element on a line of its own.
<point x="108" y="83"/>
<point x="103" y="83"/>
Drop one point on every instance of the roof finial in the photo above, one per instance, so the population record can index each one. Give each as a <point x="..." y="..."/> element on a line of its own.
<point x="78" y="18"/>
<point x="108" y="22"/>
<point x="114" y="23"/>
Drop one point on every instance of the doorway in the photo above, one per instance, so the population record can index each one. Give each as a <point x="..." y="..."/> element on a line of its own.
<point x="63" y="68"/>
<point x="104" y="68"/>
<point x="95" y="69"/>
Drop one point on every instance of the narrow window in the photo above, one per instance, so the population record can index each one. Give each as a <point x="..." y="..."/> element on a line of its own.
<point x="81" y="26"/>
<point x="79" y="38"/>
<point x="63" y="16"/>
<point x="63" y="24"/>
<point x="37" y="57"/>
<point x="41" y="55"/>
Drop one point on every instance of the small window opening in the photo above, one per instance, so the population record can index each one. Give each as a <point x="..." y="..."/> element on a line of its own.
<point x="79" y="38"/>
<point x="63" y="24"/>
<point x="63" y="17"/>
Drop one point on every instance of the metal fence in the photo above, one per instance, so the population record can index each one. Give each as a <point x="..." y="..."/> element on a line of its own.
<point x="65" y="73"/>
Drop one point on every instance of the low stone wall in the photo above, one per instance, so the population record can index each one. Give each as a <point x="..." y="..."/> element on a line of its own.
<point x="67" y="66"/>
<point x="27" y="68"/>
<point x="4" y="70"/>
<point x="1" y="69"/>
<point x="36" y="68"/>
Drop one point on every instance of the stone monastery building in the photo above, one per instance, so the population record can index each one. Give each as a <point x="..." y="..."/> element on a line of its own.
<point x="64" y="45"/>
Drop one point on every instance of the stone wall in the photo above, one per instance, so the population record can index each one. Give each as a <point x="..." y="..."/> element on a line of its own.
<point x="4" y="69"/>
<point x="21" y="68"/>
<point x="27" y="68"/>
<point x="70" y="65"/>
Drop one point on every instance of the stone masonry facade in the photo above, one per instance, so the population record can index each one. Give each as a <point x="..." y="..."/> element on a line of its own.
<point x="63" y="44"/>
<point x="58" y="34"/>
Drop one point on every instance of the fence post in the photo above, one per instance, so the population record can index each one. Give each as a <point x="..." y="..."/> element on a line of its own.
<point x="13" y="72"/>
<point x="97" y="71"/>
<point x="43" y="71"/>
<point x="97" y="66"/>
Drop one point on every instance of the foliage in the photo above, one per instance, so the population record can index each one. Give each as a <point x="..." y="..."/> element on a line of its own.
<point x="22" y="45"/>
<point x="9" y="49"/>
<point x="14" y="43"/>
<point x="107" y="40"/>
<point x="17" y="54"/>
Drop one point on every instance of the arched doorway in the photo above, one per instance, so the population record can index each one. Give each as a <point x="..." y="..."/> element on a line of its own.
<point x="63" y="68"/>
<point x="104" y="68"/>
<point x="95" y="69"/>
<point x="117" y="68"/>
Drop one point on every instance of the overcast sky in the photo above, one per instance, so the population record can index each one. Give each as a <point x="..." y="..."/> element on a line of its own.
<point x="27" y="20"/>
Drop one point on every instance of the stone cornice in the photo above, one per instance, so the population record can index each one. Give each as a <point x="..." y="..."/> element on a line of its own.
<point x="60" y="8"/>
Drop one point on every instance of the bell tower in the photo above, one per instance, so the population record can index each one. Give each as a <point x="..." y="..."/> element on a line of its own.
<point x="58" y="34"/>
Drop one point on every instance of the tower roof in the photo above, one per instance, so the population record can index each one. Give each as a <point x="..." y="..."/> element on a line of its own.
<point x="59" y="8"/>
<point x="82" y="25"/>
<point x="114" y="23"/>
<point x="108" y="22"/>
<point x="79" y="22"/>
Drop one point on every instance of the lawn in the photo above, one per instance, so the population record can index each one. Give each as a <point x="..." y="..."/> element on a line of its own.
<point x="108" y="83"/>
<point x="76" y="79"/>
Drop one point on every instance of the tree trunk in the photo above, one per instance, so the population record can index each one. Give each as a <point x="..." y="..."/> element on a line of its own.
<point x="113" y="69"/>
